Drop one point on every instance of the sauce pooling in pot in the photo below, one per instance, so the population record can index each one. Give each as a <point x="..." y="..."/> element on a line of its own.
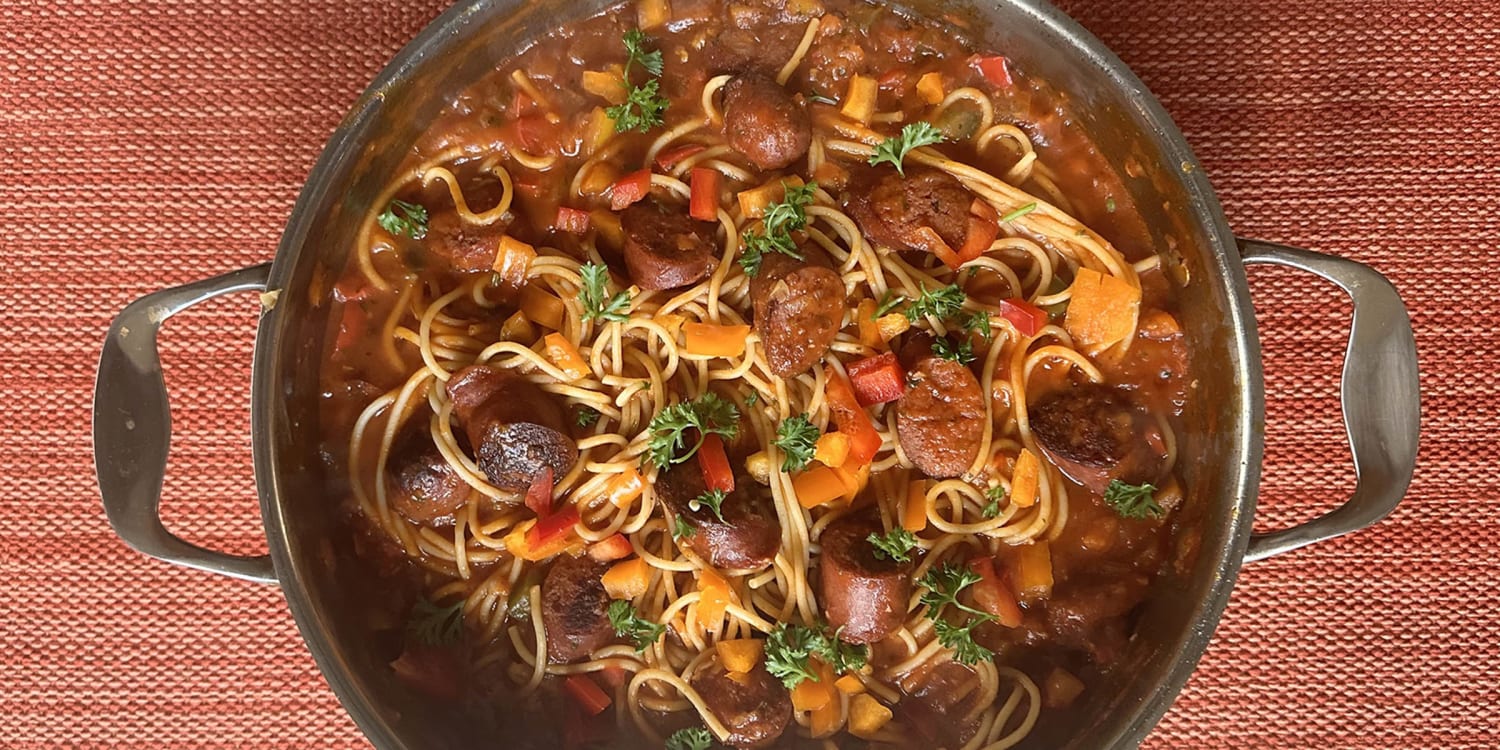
<point x="736" y="373"/>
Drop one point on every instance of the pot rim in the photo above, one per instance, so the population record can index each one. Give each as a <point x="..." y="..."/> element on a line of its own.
<point x="1221" y="252"/>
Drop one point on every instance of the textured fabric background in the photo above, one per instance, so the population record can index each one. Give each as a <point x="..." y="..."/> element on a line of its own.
<point x="150" y="143"/>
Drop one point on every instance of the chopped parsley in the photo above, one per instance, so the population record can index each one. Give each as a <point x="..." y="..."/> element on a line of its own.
<point x="411" y="221"/>
<point x="712" y="499"/>
<point x="756" y="245"/>
<point x="753" y="398"/>
<point x="628" y="625"/>
<point x="586" y="417"/>
<point x="778" y="222"/>
<point x="707" y="414"/>
<point x="1109" y="205"/>
<point x="597" y="304"/>
<point x="692" y="738"/>
<point x="1018" y="213"/>
<point x="894" y="149"/>
<point x="432" y="625"/>
<point x="943" y="584"/>
<point x="789" y="649"/>
<point x="978" y="322"/>
<point x="888" y="302"/>
<point x="643" y="106"/>
<point x="962" y="353"/>
<point x="994" y="495"/>
<point x="681" y="529"/>
<point x="1133" y="501"/>
<point x="797" y="437"/>
<point x="940" y="303"/>
<point x="895" y="545"/>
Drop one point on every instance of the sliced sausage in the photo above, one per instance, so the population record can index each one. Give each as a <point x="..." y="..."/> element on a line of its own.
<point x="895" y="207"/>
<point x="765" y="122"/>
<point x="799" y="308"/>
<point x="750" y="533"/>
<point x="941" y="703"/>
<point x="754" y="707"/>
<point x="1092" y="614"/>
<point x="422" y="486"/>
<point x="864" y="597"/>
<point x="940" y="418"/>
<point x="666" y="249"/>
<point x="575" y="609"/>
<point x="1095" y="433"/>
<point x="516" y="428"/>
<point x="466" y="248"/>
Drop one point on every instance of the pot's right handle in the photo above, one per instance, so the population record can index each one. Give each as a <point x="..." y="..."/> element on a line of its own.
<point x="1378" y="391"/>
<point x="133" y="426"/>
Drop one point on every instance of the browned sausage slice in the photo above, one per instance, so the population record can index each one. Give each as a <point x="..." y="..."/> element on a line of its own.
<point x="940" y="418"/>
<point x="1095" y="433"/>
<point x="750" y="533"/>
<point x="666" y="249"/>
<point x="516" y="428"/>
<point x="422" y="486"/>
<point x="466" y="248"/>
<point x="864" y="597"/>
<point x="893" y="208"/>
<point x="575" y="609"/>
<point x="765" y="122"/>
<point x="940" y="705"/>
<point x="799" y="308"/>
<point x="753" y="706"/>
<point x="764" y="48"/>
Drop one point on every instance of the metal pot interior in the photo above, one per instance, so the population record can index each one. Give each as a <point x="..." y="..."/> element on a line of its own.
<point x="1134" y="144"/>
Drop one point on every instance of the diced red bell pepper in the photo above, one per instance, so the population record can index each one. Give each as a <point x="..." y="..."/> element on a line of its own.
<point x="610" y="548"/>
<point x="852" y="420"/>
<point x="539" y="494"/>
<point x="629" y="189"/>
<point x="670" y="158"/>
<point x="704" y="203"/>
<point x="993" y="593"/>
<point x="984" y="227"/>
<point x="995" y="69"/>
<point x="552" y="528"/>
<point x="1026" y="317"/>
<point x="714" y="462"/>
<point x="530" y="189"/>
<point x="877" y="380"/>
<point x="587" y="694"/>
<point x="351" y="325"/>
<point x="521" y="104"/>
<point x="536" y="135"/>
<point x="571" y="220"/>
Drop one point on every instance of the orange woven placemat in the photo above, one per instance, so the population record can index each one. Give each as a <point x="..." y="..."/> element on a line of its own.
<point x="151" y="143"/>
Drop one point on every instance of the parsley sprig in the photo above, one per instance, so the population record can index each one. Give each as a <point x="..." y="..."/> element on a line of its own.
<point x="978" y="322"/>
<point x="713" y="500"/>
<point x="707" y="414"/>
<point x="1133" y="501"/>
<point x="401" y="217"/>
<point x="790" y="647"/>
<point x="692" y="738"/>
<point x="777" y="223"/>
<point x="643" y="106"/>
<point x="628" y="625"/>
<point x="432" y="625"/>
<point x="894" y="149"/>
<point x="942" y="302"/>
<point x="797" y="437"/>
<point x="681" y="529"/>
<point x="597" y="304"/>
<point x="962" y="352"/>
<point x="586" y="417"/>
<point x="888" y="302"/>
<point x="943" y="584"/>
<point x="994" y="495"/>
<point x="895" y="545"/>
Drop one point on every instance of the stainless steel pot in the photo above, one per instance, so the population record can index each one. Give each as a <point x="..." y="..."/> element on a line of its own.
<point x="1379" y="386"/>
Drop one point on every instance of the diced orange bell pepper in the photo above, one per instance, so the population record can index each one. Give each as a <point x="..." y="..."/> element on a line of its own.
<point x="1025" y="479"/>
<point x="914" y="516"/>
<point x="611" y="548"/>
<point x="739" y="655"/>
<point x="561" y="352"/>
<point x="714" y="597"/>
<point x="1102" y="310"/>
<point x="513" y="260"/>
<point x="709" y="340"/>
<point x="625" y="487"/>
<point x="867" y="716"/>
<point x="627" y="579"/>
<point x="851" y="418"/>
<point x="818" y="485"/>
<point x="542" y="307"/>
<point x="832" y="449"/>
<point x="993" y="592"/>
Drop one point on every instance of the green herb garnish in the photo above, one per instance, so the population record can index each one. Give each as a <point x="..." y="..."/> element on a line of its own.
<point x="411" y="221"/>
<point x="642" y="109"/>
<point x="586" y="417"/>
<point x="778" y="222"/>
<point x="432" y="625"/>
<point x="943" y="584"/>
<point x="632" y="627"/>
<point x="815" y="96"/>
<point x="708" y="414"/>
<point x="1133" y="501"/>
<point x="597" y="304"/>
<point x="960" y="638"/>
<point x="712" y="499"/>
<point x="888" y="302"/>
<point x="962" y="353"/>
<point x="978" y="322"/>
<point x="797" y="437"/>
<point x="756" y="245"/>
<point x="895" y="545"/>
<point x="995" y="495"/>
<point x="1018" y="213"/>
<point x="635" y="48"/>
<point x="692" y="738"/>
<point x="939" y="303"/>
<point x="894" y="149"/>
<point x="789" y="647"/>
<point x="681" y="529"/>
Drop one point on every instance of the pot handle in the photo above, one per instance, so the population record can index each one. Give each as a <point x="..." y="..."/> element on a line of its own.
<point x="1378" y="390"/>
<point x="133" y="427"/>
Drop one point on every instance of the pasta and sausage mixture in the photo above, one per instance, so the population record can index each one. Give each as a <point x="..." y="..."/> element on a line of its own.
<point x="740" y="374"/>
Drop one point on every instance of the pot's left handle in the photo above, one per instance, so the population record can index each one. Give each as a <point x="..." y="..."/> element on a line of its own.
<point x="133" y="427"/>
